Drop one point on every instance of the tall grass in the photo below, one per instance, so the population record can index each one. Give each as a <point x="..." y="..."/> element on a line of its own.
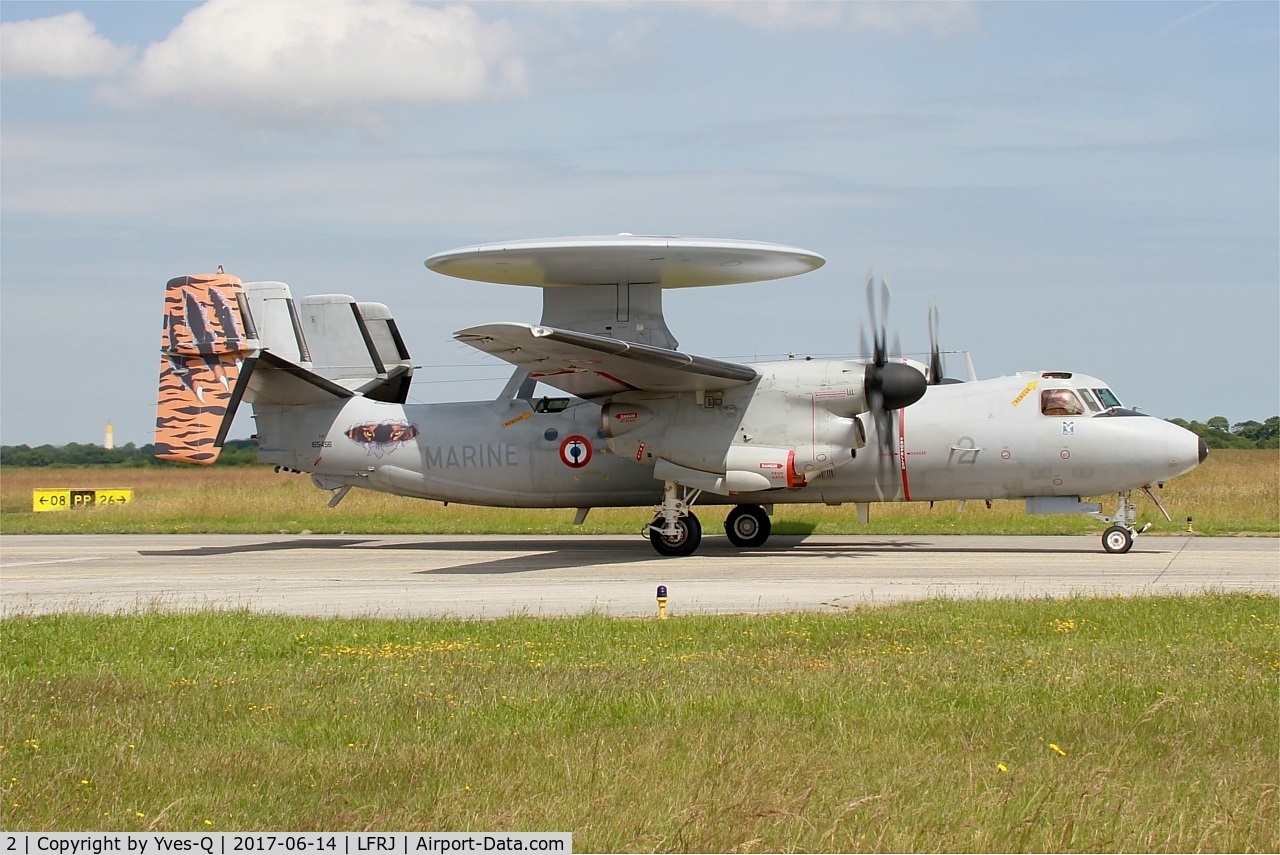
<point x="1082" y="724"/>
<point x="1233" y="491"/>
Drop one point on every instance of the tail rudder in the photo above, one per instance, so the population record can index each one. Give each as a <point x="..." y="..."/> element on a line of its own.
<point x="208" y="333"/>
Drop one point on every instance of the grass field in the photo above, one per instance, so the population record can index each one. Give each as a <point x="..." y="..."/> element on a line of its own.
<point x="1082" y="724"/>
<point x="1234" y="491"/>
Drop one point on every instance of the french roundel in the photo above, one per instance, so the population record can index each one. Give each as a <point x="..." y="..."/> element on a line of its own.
<point x="575" y="452"/>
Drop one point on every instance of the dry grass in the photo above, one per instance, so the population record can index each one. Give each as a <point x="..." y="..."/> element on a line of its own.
<point x="1235" y="491"/>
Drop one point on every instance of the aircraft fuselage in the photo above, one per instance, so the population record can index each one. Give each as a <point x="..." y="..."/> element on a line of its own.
<point x="985" y="439"/>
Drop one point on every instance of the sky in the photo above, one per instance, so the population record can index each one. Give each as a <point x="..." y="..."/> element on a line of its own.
<point x="1089" y="187"/>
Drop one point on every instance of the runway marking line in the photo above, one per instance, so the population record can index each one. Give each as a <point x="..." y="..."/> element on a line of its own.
<point x="7" y="565"/>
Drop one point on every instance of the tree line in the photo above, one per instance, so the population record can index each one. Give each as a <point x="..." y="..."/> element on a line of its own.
<point x="1217" y="433"/>
<point x="235" y="452"/>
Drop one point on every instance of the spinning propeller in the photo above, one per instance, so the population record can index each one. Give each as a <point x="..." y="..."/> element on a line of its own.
<point x="889" y="386"/>
<point x="935" y="354"/>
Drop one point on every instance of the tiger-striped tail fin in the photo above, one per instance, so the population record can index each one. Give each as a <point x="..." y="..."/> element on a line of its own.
<point x="207" y="337"/>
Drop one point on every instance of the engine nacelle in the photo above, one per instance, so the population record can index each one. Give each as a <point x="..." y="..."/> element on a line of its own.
<point x="617" y="418"/>
<point x="776" y="465"/>
<point x="811" y="460"/>
<point x="845" y="389"/>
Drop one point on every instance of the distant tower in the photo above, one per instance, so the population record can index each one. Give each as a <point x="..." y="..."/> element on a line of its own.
<point x="109" y="441"/>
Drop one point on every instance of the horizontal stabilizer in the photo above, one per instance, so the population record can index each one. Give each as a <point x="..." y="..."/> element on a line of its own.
<point x="272" y="380"/>
<point x="207" y="334"/>
<point x="592" y="366"/>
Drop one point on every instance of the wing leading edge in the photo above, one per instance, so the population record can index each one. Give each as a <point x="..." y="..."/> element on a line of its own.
<point x="592" y="366"/>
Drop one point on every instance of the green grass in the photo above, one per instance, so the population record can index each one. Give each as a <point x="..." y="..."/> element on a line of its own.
<point x="1080" y="724"/>
<point x="1233" y="492"/>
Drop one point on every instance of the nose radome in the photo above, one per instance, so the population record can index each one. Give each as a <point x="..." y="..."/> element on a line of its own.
<point x="1186" y="449"/>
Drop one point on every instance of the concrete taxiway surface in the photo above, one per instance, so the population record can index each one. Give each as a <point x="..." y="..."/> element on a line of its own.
<point x="491" y="576"/>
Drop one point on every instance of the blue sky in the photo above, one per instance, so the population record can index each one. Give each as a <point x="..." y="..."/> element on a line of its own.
<point x="1080" y="186"/>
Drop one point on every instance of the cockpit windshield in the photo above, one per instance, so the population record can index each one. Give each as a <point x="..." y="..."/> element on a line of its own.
<point x="1090" y="400"/>
<point x="1080" y="401"/>
<point x="1108" y="398"/>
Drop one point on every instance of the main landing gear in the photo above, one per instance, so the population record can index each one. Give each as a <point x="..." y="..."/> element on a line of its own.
<point x="676" y="531"/>
<point x="748" y="526"/>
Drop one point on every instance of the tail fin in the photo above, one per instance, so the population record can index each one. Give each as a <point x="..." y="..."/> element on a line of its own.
<point x="208" y="332"/>
<point x="357" y="346"/>
<point x="327" y="346"/>
<point x="215" y="355"/>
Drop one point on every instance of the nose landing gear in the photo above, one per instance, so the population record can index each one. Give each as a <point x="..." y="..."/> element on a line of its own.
<point x="1118" y="538"/>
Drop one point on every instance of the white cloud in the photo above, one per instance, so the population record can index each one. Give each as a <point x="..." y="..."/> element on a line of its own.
<point x="941" y="19"/>
<point x="321" y="59"/>
<point x="64" y="47"/>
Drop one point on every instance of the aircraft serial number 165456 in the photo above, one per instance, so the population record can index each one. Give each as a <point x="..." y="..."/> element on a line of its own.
<point x="635" y="421"/>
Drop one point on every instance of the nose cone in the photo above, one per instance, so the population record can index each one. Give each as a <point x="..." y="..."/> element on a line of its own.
<point x="901" y="385"/>
<point x="1135" y="449"/>
<point x="1186" y="450"/>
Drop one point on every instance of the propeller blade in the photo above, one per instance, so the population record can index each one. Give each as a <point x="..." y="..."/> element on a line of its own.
<point x="884" y="301"/>
<point x="935" y="351"/>
<point x="871" y="296"/>
<point x="885" y="446"/>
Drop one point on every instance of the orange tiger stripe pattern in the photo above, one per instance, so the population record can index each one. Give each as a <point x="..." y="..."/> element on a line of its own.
<point x="203" y="345"/>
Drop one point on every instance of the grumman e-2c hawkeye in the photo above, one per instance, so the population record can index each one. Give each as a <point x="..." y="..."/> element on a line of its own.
<point x="643" y="423"/>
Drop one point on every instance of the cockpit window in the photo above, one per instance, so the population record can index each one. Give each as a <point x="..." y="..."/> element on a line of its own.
<point x="551" y="405"/>
<point x="1090" y="400"/>
<point x="1060" y="402"/>
<point x="1107" y="397"/>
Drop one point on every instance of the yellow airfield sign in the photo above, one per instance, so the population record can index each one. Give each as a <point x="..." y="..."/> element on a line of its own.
<point x="61" y="500"/>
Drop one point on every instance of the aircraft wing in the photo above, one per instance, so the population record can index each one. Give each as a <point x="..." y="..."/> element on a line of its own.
<point x="592" y="366"/>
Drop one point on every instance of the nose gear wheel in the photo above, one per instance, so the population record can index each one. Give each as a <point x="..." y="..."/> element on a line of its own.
<point x="1117" y="539"/>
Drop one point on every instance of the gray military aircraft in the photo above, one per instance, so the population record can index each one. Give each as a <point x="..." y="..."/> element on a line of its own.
<point x="641" y="422"/>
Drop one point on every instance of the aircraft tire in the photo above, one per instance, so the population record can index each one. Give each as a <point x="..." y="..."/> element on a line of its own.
<point x="747" y="526"/>
<point x="683" y="544"/>
<point x="1117" y="539"/>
